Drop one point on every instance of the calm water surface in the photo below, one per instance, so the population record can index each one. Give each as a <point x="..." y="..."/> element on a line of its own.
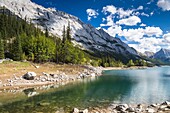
<point x="118" y="86"/>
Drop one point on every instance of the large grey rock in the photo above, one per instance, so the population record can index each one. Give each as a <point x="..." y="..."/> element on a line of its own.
<point x="75" y="110"/>
<point x="150" y="110"/>
<point x="85" y="111"/>
<point x="30" y="75"/>
<point x="166" y="103"/>
<point x="121" y="107"/>
<point x="130" y="109"/>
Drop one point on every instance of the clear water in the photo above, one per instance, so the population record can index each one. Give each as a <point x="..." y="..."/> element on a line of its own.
<point x="118" y="86"/>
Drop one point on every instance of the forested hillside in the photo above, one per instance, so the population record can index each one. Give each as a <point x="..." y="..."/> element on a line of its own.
<point x="22" y="41"/>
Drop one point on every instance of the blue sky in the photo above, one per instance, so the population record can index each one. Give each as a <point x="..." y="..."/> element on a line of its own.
<point x="143" y="24"/>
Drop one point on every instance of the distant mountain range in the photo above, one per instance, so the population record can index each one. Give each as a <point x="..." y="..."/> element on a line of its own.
<point x="148" y="54"/>
<point x="84" y="35"/>
<point x="163" y="55"/>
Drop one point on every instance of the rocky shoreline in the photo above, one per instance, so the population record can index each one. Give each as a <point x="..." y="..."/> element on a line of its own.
<point x="125" y="108"/>
<point x="30" y="79"/>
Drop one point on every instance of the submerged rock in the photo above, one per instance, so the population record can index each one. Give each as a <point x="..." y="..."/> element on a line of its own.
<point x="30" y="75"/>
<point x="43" y="104"/>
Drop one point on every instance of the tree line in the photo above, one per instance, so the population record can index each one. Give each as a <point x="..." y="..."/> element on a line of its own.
<point x="21" y="40"/>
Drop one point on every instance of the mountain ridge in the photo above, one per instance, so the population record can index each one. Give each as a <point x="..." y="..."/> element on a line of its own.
<point x="82" y="34"/>
<point x="162" y="53"/>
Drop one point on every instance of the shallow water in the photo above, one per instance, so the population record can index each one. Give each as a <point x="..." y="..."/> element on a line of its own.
<point x="117" y="86"/>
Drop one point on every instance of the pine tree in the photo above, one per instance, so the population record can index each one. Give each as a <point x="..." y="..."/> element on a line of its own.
<point x="64" y="35"/>
<point x="17" y="49"/>
<point x="68" y="34"/>
<point x="46" y="32"/>
<point x="1" y="48"/>
<point x="130" y="63"/>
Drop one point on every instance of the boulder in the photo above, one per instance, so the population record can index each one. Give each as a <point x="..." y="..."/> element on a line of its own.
<point x="85" y="111"/>
<point x="130" y="109"/>
<point x="121" y="107"/>
<point x="75" y="110"/>
<point x="93" y="75"/>
<point x="30" y="75"/>
<point x="166" y="103"/>
<point x="43" y="104"/>
<point x="150" y="110"/>
<point x="154" y="105"/>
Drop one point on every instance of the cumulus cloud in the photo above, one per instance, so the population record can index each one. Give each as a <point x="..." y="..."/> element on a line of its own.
<point x="142" y="25"/>
<point x="139" y="33"/>
<point x="110" y="8"/>
<point x="147" y="44"/>
<point x="131" y="21"/>
<point x="144" y="14"/>
<point x="132" y="34"/>
<point x="114" y="30"/>
<point x="92" y="13"/>
<point x="124" y="13"/>
<point x="144" y="38"/>
<point x="153" y="31"/>
<point x="164" y="4"/>
<point x="167" y="37"/>
<point x="119" y="11"/>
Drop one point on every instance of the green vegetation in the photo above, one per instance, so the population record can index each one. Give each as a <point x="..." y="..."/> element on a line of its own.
<point x="21" y="40"/>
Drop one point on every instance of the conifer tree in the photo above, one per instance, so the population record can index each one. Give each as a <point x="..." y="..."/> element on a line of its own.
<point x="64" y="35"/>
<point x="1" y="48"/>
<point x="46" y="32"/>
<point x="17" y="49"/>
<point x="68" y="34"/>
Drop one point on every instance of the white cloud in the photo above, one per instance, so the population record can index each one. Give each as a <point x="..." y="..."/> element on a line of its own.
<point x="142" y="25"/>
<point x="152" y="13"/>
<point x="113" y="30"/>
<point x="164" y="4"/>
<point x="132" y="34"/>
<point x="124" y="13"/>
<point x="140" y="8"/>
<point x="119" y="11"/>
<point x="167" y="37"/>
<point x="103" y="19"/>
<point x="110" y="8"/>
<point x="144" y="38"/>
<point x="131" y="21"/>
<point x="137" y="34"/>
<point x="150" y="2"/>
<point x="148" y="44"/>
<point x="153" y="31"/>
<point x="92" y="13"/>
<point x="144" y="14"/>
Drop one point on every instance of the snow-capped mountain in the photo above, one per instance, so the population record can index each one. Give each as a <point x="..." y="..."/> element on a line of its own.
<point x="83" y="34"/>
<point x="163" y="54"/>
<point x="148" y="54"/>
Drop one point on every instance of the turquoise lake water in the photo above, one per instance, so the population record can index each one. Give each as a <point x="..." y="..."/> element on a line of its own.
<point x="147" y="86"/>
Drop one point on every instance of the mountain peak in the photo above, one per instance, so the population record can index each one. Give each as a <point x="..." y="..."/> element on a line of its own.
<point x="163" y="54"/>
<point x="84" y="35"/>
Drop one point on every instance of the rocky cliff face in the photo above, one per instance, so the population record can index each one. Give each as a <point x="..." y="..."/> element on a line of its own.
<point x="148" y="54"/>
<point x="84" y="35"/>
<point x="163" y="54"/>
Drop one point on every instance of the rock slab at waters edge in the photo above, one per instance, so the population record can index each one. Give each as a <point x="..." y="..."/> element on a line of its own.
<point x="30" y="75"/>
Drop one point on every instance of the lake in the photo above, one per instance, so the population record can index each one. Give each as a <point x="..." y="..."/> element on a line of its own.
<point x="116" y="86"/>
